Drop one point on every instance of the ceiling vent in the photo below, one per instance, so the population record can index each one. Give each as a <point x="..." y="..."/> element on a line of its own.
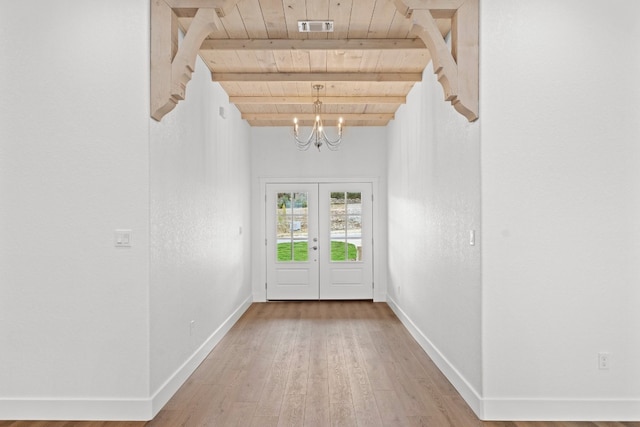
<point x="315" y="26"/>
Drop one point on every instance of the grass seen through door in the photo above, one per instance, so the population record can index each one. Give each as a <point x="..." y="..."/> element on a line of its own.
<point x="300" y="252"/>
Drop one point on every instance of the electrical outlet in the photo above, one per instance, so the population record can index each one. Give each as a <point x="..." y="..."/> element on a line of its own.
<point x="603" y="360"/>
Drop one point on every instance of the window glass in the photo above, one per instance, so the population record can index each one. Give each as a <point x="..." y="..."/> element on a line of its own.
<point x="346" y="226"/>
<point x="292" y="227"/>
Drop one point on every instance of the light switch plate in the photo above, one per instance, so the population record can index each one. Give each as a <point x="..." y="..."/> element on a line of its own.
<point x="123" y="238"/>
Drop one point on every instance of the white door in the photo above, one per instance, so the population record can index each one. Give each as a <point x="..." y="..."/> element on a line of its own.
<point x="319" y="241"/>
<point x="346" y="253"/>
<point x="292" y="235"/>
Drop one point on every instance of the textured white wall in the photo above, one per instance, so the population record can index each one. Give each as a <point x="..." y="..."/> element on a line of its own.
<point x="73" y="167"/>
<point x="76" y="162"/>
<point x="274" y="155"/>
<point x="434" y="201"/>
<point x="560" y="112"/>
<point x="200" y="198"/>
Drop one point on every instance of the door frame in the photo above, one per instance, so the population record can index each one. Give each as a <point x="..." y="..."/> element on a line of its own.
<point x="379" y="290"/>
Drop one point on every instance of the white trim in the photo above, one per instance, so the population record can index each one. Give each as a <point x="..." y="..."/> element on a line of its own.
<point x="466" y="390"/>
<point x="561" y="409"/>
<point x="117" y="409"/>
<point x="379" y="279"/>
<point x="76" y="409"/>
<point x="169" y="388"/>
<point x="276" y="180"/>
<point x="259" y="297"/>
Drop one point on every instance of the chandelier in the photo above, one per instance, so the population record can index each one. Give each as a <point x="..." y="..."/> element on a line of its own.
<point x="318" y="137"/>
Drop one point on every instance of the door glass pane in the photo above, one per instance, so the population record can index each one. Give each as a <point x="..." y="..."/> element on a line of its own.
<point x="292" y="227"/>
<point x="346" y="229"/>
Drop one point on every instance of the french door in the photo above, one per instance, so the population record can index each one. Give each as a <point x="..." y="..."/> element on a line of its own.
<point x="319" y="241"/>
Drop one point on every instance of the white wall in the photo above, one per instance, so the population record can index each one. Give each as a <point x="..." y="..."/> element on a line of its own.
<point x="434" y="202"/>
<point x="560" y="113"/>
<point x="200" y="260"/>
<point x="361" y="155"/>
<point x="73" y="168"/>
<point x="87" y="330"/>
<point x="560" y="200"/>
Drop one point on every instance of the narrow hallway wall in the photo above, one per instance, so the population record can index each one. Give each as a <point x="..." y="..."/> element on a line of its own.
<point x="200" y="230"/>
<point x="433" y="204"/>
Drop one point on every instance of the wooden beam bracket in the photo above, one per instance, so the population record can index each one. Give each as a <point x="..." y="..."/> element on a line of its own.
<point x="173" y="63"/>
<point x="456" y="69"/>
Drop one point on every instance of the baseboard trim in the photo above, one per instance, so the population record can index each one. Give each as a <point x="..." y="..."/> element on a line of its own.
<point x="465" y="389"/>
<point x="76" y="409"/>
<point x="259" y="297"/>
<point x="169" y="388"/>
<point x="510" y="409"/>
<point x="561" y="410"/>
<point x="118" y="409"/>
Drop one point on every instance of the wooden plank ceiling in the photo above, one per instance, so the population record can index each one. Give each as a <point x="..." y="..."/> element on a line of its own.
<point x="367" y="65"/>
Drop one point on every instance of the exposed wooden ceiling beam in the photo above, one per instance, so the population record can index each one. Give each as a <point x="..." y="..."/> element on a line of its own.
<point x="316" y="77"/>
<point x="288" y="117"/>
<point x="440" y="9"/>
<point x="267" y="123"/>
<point x="185" y="13"/>
<point x="200" y="3"/>
<point x="256" y="71"/>
<point x="310" y="99"/>
<point x="222" y="7"/>
<point x="312" y="44"/>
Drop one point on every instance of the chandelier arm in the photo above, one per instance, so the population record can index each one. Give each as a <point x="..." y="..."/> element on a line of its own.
<point x="331" y="141"/>
<point x="303" y="144"/>
<point x="302" y="141"/>
<point x="317" y="136"/>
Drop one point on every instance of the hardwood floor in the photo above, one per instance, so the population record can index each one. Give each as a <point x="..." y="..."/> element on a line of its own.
<point x="316" y="364"/>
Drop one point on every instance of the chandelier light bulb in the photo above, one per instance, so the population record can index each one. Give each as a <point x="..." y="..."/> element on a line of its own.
<point x="295" y="126"/>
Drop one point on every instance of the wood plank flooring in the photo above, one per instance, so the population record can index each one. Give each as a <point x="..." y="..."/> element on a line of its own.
<point x="316" y="364"/>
